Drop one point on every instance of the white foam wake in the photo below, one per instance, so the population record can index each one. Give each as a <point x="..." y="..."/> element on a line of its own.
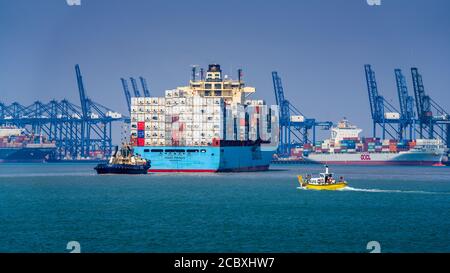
<point x="383" y="191"/>
<point x="390" y="191"/>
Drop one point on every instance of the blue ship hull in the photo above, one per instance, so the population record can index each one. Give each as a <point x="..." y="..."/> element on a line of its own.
<point x="25" y="155"/>
<point x="207" y="159"/>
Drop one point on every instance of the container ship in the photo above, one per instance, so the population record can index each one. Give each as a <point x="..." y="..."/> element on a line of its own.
<point x="346" y="147"/>
<point x="17" y="146"/>
<point x="210" y="125"/>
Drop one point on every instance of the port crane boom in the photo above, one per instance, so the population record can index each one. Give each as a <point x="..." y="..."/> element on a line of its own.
<point x="383" y="113"/>
<point x="145" y="87"/>
<point x="407" y="115"/>
<point x="127" y="93"/>
<point x="432" y="118"/>
<point x="135" y="87"/>
<point x="293" y="131"/>
<point x="77" y="131"/>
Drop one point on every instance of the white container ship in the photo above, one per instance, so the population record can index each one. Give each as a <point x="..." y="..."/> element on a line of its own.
<point x="345" y="147"/>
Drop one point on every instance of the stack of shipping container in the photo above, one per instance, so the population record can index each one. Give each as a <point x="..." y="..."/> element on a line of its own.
<point x="21" y="141"/>
<point x="357" y="145"/>
<point x="182" y="119"/>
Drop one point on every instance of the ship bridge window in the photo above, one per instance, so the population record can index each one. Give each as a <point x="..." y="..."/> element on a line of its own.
<point x="192" y="151"/>
<point x="175" y="151"/>
<point x="218" y="86"/>
<point x="157" y="150"/>
<point x="208" y="86"/>
<point x="218" y="93"/>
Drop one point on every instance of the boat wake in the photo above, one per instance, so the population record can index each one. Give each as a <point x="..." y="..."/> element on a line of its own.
<point x="390" y="191"/>
<point x="384" y="191"/>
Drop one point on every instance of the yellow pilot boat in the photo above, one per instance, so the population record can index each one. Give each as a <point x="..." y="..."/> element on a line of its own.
<point x="325" y="181"/>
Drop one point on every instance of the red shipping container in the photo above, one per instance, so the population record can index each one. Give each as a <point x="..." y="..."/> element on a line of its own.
<point x="141" y="142"/>
<point x="141" y="125"/>
<point x="133" y="142"/>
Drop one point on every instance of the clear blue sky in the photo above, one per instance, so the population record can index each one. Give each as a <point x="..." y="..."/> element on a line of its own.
<point x="319" y="48"/>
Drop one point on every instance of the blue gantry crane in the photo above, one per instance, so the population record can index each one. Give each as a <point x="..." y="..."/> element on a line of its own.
<point x="384" y="114"/>
<point x="144" y="87"/>
<point x="76" y="130"/>
<point x="293" y="131"/>
<point x="433" y="120"/>
<point x="407" y="115"/>
<point x="135" y="87"/>
<point x="127" y="93"/>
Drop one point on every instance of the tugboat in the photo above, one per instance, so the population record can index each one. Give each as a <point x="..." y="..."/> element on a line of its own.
<point x="124" y="162"/>
<point x="325" y="181"/>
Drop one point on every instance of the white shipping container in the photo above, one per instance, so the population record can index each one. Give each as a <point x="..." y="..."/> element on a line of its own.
<point x="297" y="119"/>
<point x="154" y="101"/>
<point x="392" y="115"/>
<point x="169" y="93"/>
<point x="133" y="125"/>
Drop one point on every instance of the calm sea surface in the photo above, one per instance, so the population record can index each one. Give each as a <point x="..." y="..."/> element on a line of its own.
<point x="44" y="206"/>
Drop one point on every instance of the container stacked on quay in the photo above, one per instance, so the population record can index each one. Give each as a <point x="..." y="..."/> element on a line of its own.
<point x="208" y="126"/>
<point x="18" y="146"/>
<point x="346" y="147"/>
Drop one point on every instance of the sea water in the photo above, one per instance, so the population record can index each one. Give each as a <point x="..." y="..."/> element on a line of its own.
<point x="45" y="206"/>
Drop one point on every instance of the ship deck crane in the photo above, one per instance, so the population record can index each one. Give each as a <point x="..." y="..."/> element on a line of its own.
<point x="293" y="133"/>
